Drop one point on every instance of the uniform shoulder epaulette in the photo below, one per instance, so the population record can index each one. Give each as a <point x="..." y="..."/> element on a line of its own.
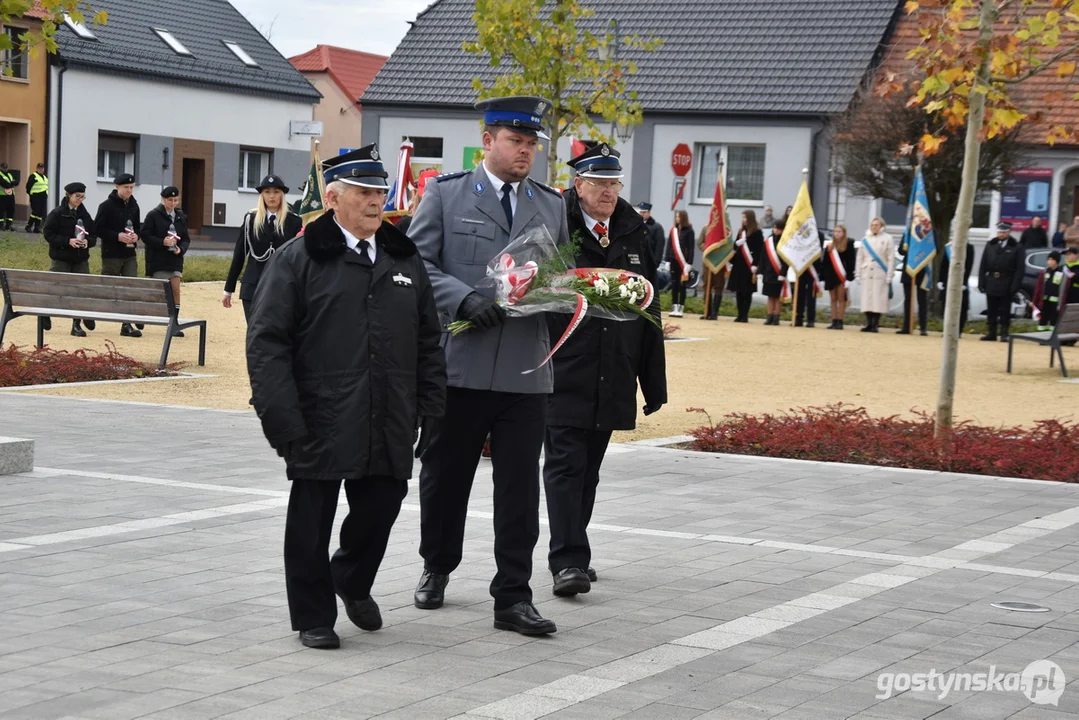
<point x="450" y="176"/>
<point x="548" y="188"/>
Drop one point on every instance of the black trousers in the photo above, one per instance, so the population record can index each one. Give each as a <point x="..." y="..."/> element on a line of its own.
<point x="807" y="300"/>
<point x="249" y="305"/>
<point x="311" y="578"/>
<point x="678" y="289"/>
<point x="39" y="206"/>
<point x="515" y="423"/>
<point x="923" y="303"/>
<point x="572" y="458"/>
<point x="964" y="310"/>
<point x="7" y="207"/>
<point x="1000" y="313"/>
<point x="1050" y="312"/>
<point x="744" y="301"/>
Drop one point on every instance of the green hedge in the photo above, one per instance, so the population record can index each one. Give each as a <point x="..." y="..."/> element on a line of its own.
<point x="19" y="253"/>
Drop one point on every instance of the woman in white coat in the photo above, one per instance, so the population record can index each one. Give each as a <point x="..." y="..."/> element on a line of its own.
<point x="876" y="266"/>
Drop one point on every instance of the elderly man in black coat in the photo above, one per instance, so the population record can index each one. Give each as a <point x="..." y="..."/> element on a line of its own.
<point x="1000" y="277"/>
<point x="345" y="364"/>
<point x="596" y="372"/>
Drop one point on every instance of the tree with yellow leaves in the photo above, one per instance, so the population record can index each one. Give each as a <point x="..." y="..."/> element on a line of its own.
<point x="52" y="15"/>
<point x="973" y="54"/>
<point x="547" y="48"/>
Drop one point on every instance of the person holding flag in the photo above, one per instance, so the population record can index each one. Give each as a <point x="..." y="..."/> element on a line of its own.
<point x="876" y="266"/>
<point x="774" y="274"/>
<point x="918" y="249"/>
<point x="680" y="247"/>
<point x="718" y="247"/>
<point x="800" y="247"/>
<point x="749" y="247"/>
<point x="262" y="233"/>
<point x="838" y="271"/>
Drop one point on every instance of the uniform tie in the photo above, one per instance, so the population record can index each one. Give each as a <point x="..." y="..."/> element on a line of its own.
<point x="273" y="221"/>
<point x="507" y="205"/>
<point x="364" y="248"/>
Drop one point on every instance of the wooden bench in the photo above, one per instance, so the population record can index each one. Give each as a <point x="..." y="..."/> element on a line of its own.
<point x="105" y="298"/>
<point x="1066" y="331"/>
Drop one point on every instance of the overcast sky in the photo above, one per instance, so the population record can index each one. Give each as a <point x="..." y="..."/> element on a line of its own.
<point x="370" y="25"/>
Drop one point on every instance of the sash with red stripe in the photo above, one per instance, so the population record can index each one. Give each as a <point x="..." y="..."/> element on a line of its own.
<point x="773" y="257"/>
<point x="837" y="265"/>
<point x="816" y="280"/>
<point x="676" y="250"/>
<point x="746" y="256"/>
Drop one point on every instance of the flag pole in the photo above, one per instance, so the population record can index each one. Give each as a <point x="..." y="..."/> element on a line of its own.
<point x="797" y="276"/>
<point x="321" y="179"/>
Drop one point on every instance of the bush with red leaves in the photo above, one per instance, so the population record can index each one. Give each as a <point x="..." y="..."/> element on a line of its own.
<point x="847" y="434"/>
<point x="42" y="366"/>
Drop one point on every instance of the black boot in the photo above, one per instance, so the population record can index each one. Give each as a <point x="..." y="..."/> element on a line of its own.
<point x="90" y="324"/>
<point x="127" y="331"/>
<point x="46" y="323"/>
<point x="76" y="329"/>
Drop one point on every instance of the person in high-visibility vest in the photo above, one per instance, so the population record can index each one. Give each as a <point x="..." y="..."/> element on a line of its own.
<point x="7" y="197"/>
<point x="37" y="187"/>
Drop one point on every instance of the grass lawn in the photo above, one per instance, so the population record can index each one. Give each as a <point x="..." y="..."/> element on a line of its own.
<point x="19" y="253"/>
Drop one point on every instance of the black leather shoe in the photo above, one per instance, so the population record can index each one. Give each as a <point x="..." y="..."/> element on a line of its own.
<point x="525" y="619"/>
<point x="989" y="338"/>
<point x="570" y="582"/>
<point x="77" y="331"/>
<point x="321" y="638"/>
<point x="811" y="324"/>
<point x="46" y="323"/>
<point x="591" y="573"/>
<point x="90" y="324"/>
<point x="923" y="333"/>
<point x="364" y="614"/>
<point x="128" y="331"/>
<point x="140" y="326"/>
<point x="431" y="592"/>
<point x="902" y="332"/>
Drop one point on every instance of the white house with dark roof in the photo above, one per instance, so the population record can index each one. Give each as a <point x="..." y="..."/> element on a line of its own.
<point x="749" y="83"/>
<point x="186" y="94"/>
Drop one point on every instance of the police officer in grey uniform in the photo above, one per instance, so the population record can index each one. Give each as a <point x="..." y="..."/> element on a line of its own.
<point x="465" y="220"/>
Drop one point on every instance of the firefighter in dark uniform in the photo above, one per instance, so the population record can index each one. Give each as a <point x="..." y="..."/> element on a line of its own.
<point x="597" y="371"/>
<point x="344" y="359"/>
<point x="7" y="198"/>
<point x="37" y="187"/>
<point x="1000" y="277"/>
<point x="657" y="239"/>
<point x="910" y="294"/>
<point x="465" y="220"/>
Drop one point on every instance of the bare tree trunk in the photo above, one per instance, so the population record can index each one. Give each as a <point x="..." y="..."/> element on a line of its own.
<point x="965" y="212"/>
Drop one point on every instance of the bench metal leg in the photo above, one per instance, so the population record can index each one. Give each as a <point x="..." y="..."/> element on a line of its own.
<point x="1063" y="367"/>
<point x="1009" y="355"/>
<point x="5" y="318"/>
<point x="40" y="333"/>
<point x="1052" y="352"/>
<point x="202" y="344"/>
<point x="168" y="342"/>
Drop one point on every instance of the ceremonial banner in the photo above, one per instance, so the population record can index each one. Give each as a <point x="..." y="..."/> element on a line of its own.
<point x="800" y="244"/>
<point x="404" y="181"/>
<point x="918" y="235"/>
<point x="311" y="206"/>
<point x="718" y="241"/>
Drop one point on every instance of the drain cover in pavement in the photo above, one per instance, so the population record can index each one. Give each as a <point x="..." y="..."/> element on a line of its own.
<point x="1020" y="606"/>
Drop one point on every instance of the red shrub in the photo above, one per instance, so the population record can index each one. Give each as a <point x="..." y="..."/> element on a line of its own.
<point x="45" y="365"/>
<point x="843" y="433"/>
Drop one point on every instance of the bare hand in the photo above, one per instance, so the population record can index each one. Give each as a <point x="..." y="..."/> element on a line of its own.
<point x="129" y="238"/>
<point x="170" y="241"/>
<point x="226" y="301"/>
<point x="75" y="243"/>
<point x="685" y="277"/>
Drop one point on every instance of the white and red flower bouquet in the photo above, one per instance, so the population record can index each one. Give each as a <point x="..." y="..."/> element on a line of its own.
<point x="534" y="275"/>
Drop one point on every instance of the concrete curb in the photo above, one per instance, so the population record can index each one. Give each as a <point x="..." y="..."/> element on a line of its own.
<point x="16" y="455"/>
<point x="94" y="383"/>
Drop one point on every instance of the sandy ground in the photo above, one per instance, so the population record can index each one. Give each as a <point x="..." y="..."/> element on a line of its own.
<point x="737" y="368"/>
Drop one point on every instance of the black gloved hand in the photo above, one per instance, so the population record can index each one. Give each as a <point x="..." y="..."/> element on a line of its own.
<point x="284" y="450"/>
<point x="424" y="434"/>
<point x="649" y="409"/>
<point x="482" y="311"/>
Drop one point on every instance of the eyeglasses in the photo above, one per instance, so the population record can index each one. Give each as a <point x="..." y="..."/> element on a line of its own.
<point x="604" y="187"/>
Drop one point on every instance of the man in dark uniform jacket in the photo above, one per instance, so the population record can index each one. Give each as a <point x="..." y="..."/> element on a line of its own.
<point x="466" y="220"/>
<point x="7" y="198"/>
<point x="657" y="239"/>
<point x="119" y="223"/>
<point x="909" y="294"/>
<point x="345" y="365"/>
<point x="596" y="372"/>
<point x="1000" y="277"/>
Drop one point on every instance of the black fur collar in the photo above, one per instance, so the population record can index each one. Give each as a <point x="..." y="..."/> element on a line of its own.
<point x="325" y="241"/>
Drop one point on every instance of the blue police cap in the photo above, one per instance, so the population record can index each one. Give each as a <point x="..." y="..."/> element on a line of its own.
<point x="598" y="161"/>
<point x="360" y="167"/>
<point x="523" y="114"/>
<point x="644" y="206"/>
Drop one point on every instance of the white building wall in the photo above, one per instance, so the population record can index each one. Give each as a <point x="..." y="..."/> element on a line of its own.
<point x="94" y="103"/>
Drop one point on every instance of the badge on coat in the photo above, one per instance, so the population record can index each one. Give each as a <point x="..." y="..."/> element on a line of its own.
<point x="528" y="192"/>
<point x="478" y="189"/>
<point x="402" y="280"/>
<point x="634" y="259"/>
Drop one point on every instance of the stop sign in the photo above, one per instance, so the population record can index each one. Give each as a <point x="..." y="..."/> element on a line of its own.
<point x="681" y="160"/>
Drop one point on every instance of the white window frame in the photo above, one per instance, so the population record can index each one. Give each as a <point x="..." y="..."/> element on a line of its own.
<point x="79" y="28"/>
<point x="250" y="184"/>
<point x="171" y="40"/>
<point x="5" y="57"/>
<point x="706" y="194"/>
<point x="129" y="164"/>
<point x="240" y="53"/>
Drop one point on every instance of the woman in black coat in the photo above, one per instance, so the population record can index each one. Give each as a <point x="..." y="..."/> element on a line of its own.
<point x="679" y="272"/>
<point x="262" y="232"/>
<point x="773" y="273"/>
<point x="744" y="264"/>
<point x="69" y="229"/>
<point x="835" y="282"/>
